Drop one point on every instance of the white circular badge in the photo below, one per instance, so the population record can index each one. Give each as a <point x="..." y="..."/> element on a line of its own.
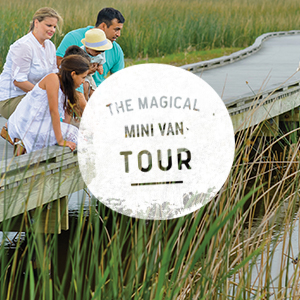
<point x="155" y="142"/>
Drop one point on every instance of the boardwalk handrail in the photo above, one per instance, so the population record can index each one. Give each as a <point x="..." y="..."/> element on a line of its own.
<point x="45" y="161"/>
<point x="36" y="178"/>
<point x="254" y="109"/>
<point x="245" y="103"/>
<point x="224" y="60"/>
<point x="39" y="156"/>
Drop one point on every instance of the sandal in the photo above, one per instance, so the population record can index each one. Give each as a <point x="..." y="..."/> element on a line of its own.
<point x="19" y="148"/>
<point x="5" y="135"/>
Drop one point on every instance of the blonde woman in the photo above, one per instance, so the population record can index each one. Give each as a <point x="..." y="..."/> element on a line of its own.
<point x="28" y="60"/>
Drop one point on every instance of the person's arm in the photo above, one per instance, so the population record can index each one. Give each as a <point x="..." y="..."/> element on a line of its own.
<point x="101" y="62"/>
<point x="58" y="60"/>
<point x="25" y="86"/>
<point x="93" y="68"/>
<point x="81" y="100"/>
<point x="21" y="63"/>
<point x="51" y="85"/>
<point x="60" y="52"/>
<point x="86" y="90"/>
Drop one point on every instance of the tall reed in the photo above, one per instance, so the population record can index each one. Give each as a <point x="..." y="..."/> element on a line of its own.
<point x="155" y="28"/>
<point x="226" y="250"/>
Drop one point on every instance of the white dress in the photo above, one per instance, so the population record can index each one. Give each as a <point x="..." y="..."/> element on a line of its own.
<point x="31" y="121"/>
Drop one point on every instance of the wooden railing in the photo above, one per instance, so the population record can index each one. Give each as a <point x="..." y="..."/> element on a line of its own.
<point x="32" y="180"/>
<point x="228" y="59"/>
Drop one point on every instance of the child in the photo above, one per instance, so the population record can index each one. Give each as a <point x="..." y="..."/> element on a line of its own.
<point x="78" y="51"/>
<point x="36" y="120"/>
<point x="94" y="43"/>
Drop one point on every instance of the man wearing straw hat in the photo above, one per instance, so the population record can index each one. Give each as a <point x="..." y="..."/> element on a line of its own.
<point x="111" y="22"/>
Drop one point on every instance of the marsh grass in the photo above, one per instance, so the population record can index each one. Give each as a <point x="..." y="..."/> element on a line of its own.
<point x="155" y="28"/>
<point x="225" y="250"/>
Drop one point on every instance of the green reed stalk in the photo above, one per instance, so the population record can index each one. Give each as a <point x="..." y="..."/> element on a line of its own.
<point x="212" y="252"/>
<point x="155" y="28"/>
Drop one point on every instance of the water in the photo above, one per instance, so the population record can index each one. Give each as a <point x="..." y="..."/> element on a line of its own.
<point x="283" y="264"/>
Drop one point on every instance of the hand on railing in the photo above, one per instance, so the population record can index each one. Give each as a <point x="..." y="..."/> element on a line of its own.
<point x="69" y="144"/>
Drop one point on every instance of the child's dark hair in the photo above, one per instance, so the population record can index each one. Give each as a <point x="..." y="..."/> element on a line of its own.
<point x="79" y="65"/>
<point x="77" y="50"/>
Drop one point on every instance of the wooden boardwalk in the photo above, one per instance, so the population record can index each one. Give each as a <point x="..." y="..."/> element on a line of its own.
<point x="265" y="71"/>
<point x="32" y="180"/>
<point x="261" y="77"/>
<point x="274" y="64"/>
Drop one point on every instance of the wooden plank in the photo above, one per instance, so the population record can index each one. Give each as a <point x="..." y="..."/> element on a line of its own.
<point x="50" y="218"/>
<point x="264" y="111"/>
<point x="37" y="178"/>
<point x="54" y="153"/>
<point x="36" y="192"/>
<point x="42" y="168"/>
<point x="220" y="61"/>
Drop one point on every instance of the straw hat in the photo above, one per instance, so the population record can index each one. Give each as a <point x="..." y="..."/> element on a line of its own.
<point x="96" y="39"/>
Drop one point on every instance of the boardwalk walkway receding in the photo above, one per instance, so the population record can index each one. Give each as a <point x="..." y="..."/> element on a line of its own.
<point x="265" y="72"/>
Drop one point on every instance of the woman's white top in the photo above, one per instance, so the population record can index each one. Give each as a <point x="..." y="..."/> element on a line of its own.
<point x="27" y="60"/>
<point x="31" y="121"/>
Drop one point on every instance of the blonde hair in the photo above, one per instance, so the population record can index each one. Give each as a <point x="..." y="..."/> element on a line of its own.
<point x="45" y="12"/>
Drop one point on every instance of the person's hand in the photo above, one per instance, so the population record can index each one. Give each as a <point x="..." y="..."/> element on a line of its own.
<point x="69" y="144"/>
<point x="100" y="69"/>
<point x="93" y="68"/>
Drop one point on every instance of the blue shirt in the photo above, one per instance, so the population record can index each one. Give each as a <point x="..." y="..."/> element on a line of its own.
<point x="114" y="56"/>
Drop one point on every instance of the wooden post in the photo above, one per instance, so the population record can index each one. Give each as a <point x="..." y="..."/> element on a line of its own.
<point x="64" y="212"/>
<point x="53" y="217"/>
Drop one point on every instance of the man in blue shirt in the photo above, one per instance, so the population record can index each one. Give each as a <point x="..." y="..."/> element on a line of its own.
<point x="111" y="22"/>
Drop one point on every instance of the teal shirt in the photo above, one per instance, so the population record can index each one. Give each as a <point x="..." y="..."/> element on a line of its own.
<point x="114" y="57"/>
